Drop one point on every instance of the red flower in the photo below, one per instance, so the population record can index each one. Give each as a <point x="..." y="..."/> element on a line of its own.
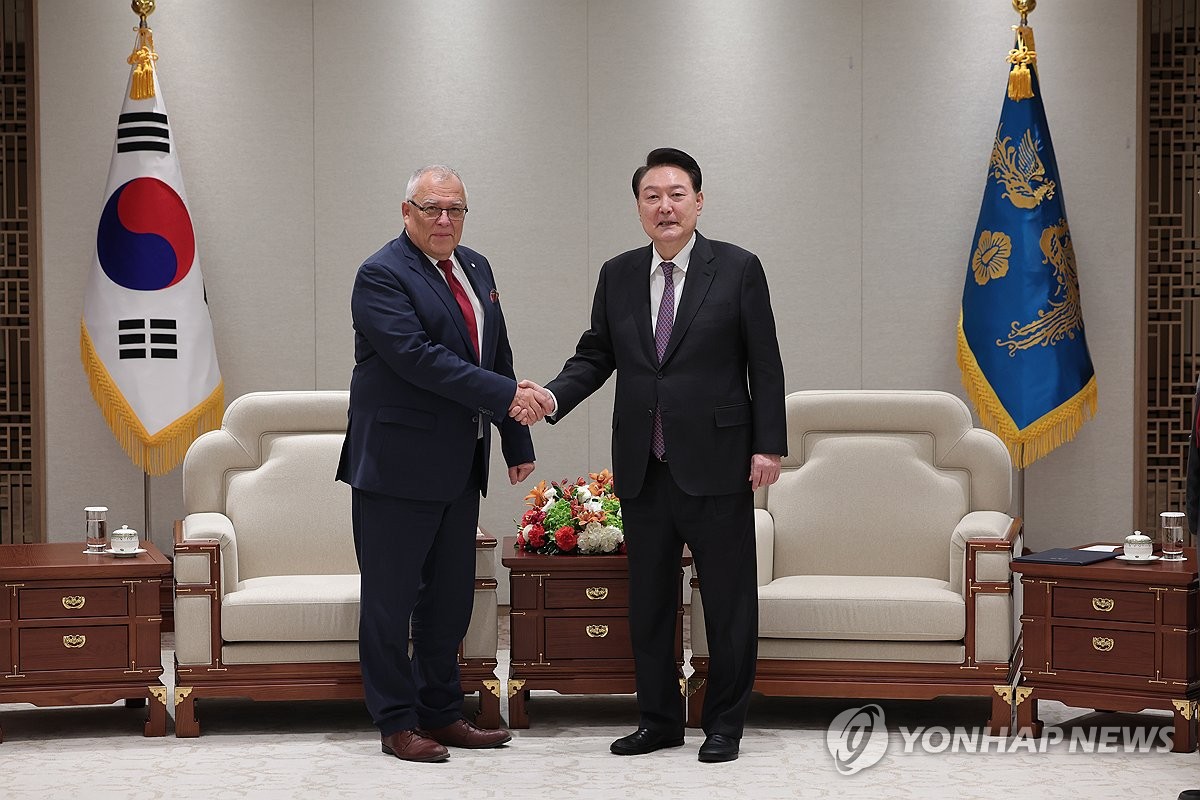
<point x="621" y="548"/>
<point x="532" y="516"/>
<point x="566" y="538"/>
<point x="520" y="538"/>
<point x="537" y="536"/>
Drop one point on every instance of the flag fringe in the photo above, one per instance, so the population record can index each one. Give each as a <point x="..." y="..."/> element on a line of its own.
<point x="141" y="82"/>
<point x="158" y="454"/>
<point x="1041" y="437"/>
<point x="1022" y="57"/>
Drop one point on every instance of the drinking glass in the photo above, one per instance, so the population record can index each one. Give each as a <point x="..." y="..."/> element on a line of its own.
<point x="1174" y="530"/>
<point x="96" y="520"/>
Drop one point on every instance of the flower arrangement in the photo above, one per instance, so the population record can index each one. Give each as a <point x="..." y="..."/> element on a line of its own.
<point x="567" y="518"/>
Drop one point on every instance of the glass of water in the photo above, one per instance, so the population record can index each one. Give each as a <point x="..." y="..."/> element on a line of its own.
<point x="1174" y="531"/>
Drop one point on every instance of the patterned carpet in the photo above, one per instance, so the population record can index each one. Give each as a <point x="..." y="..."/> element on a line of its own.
<point x="330" y="750"/>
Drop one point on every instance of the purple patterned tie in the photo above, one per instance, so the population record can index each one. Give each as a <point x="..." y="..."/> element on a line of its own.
<point x="662" y="335"/>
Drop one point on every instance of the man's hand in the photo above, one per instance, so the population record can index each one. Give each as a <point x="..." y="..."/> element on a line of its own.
<point x="764" y="470"/>
<point x="520" y="472"/>
<point x="531" y="403"/>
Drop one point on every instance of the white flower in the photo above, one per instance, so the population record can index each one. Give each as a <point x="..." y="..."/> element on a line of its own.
<point x="597" y="538"/>
<point x="582" y="493"/>
<point x="526" y="530"/>
<point x="593" y="504"/>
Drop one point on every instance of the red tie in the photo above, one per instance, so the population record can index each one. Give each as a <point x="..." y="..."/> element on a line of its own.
<point x="464" y="304"/>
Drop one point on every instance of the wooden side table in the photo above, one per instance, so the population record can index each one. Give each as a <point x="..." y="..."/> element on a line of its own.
<point x="569" y="626"/>
<point x="78" y="628"/>
<point x="1113" y="636"/>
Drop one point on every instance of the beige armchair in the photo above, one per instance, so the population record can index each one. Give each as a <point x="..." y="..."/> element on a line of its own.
<point x="883" y="555"/>
<point x="266" y="580"/>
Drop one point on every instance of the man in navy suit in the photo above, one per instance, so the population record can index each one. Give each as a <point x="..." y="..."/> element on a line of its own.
<point x="698" y="425"/>
<point x="433" y="371"/>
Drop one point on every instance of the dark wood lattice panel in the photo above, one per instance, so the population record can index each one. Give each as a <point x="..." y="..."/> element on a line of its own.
<point x="1173" y="297"/>
<point x="17" y="266"/>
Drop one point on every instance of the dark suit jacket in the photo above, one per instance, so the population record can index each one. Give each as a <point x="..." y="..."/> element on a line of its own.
<point x="720" y="386"/>
<point x="417" y="393"/>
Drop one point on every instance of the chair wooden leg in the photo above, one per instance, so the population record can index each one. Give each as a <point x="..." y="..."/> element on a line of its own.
<point x="186" y="724"/>
<point x="489" y="708"/>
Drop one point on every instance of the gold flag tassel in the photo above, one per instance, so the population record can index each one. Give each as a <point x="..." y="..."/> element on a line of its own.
<point x="158" y="454"/>
<point x="142" y="59"/>
<point x="1022" y="57"/>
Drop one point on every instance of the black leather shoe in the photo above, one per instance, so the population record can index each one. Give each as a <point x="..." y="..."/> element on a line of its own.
<point x="643" y="741"/>
<point x="717" y="747"/>
<point x="1190" y="794"/>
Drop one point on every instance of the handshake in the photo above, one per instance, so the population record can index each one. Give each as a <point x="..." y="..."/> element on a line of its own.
<point x="531" y="403"/>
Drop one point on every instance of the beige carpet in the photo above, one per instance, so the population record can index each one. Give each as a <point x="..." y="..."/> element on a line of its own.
<point x="330" y="750"/>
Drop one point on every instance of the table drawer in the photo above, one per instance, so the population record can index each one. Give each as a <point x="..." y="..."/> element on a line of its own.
<point x="74" y="647"/>
<point x="587" y="593"/>
<point x="1104" y="604"/>
<point x="72" y="602"/>
<point x="588" y="637"/>
<point x="1103" y="650"/>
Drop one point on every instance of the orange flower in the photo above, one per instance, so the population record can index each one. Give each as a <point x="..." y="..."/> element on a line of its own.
<point x="537" y="498"/>
<point x="584" y="516"/>
<point x="601" y="482"/>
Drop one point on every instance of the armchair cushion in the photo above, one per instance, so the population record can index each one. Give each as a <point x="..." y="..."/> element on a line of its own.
<point x="874" y="607"/>
<point x="292" y="608"/>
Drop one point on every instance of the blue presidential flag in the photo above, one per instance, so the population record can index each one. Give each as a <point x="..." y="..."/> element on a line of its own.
<point x="146" y="338"/>
<point x="1021" y="343"/>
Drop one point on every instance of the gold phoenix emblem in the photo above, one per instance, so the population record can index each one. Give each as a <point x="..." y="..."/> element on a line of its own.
<point x="1065" y="316"/>
<point x="1021" y="171"/>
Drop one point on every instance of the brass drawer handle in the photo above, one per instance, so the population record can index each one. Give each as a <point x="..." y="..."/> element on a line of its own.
<point x="1103" y="603"/>
<point x="73" y="601"/>
<point x="1102" y="643"/>
<point x="596" y="592"/>
<point x="597" y="631"/>
<point x="74" y="641"/>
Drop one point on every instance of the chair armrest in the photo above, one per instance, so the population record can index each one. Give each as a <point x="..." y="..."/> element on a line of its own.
<point x="981" y="548"/>
<point x="485" y="554"/>
<point x="216" y="527"/>
<point x="764" y="545"/>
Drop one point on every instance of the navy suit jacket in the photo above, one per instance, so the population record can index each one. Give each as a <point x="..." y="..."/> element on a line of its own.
<point x="417" y="394"/>
<point x="719" y="386"/>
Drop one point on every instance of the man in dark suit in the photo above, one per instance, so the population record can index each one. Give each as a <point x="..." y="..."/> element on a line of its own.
<point x="433" y="371"/>
<point x="698" y="424"/>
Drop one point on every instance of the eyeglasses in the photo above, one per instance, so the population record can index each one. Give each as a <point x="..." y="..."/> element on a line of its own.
<point x="435" y="212"/>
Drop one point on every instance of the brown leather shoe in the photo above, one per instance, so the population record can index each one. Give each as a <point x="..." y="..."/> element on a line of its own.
<point x="465" y="734"/>
<point x="413" y="746"/>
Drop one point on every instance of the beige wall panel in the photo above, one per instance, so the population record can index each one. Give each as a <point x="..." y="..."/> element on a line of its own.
<point x="237" y="81"/>
<point x="776" y="129"/>
<point x="928" y="130"/>
<point x="497" y="90"/>
<point x="845" y="143"/>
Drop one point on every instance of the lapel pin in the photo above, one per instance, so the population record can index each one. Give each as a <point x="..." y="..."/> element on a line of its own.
<point x="495" y="296"/>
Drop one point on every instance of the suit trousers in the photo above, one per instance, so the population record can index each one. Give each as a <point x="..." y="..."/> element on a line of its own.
<point x="719" y="529"/>
<point x="417" y="562"/>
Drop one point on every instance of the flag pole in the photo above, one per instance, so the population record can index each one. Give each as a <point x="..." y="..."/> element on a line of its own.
<point x="146" y="502"/>
<point x="1020" y="495"/>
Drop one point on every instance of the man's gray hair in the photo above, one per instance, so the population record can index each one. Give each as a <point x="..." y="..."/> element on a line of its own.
<point x="439" y="172"/>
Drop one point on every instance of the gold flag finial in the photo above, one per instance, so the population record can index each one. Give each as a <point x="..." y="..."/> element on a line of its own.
<point x="144" y="8"/>
<point x="142" y="59"/>
<point x="1023" y="55"/>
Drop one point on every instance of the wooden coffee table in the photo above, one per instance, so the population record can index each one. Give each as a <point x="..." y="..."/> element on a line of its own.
<point x="78" y="629"/>
<point x="569" y="626"/>
<point x="1113" y="636"/>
